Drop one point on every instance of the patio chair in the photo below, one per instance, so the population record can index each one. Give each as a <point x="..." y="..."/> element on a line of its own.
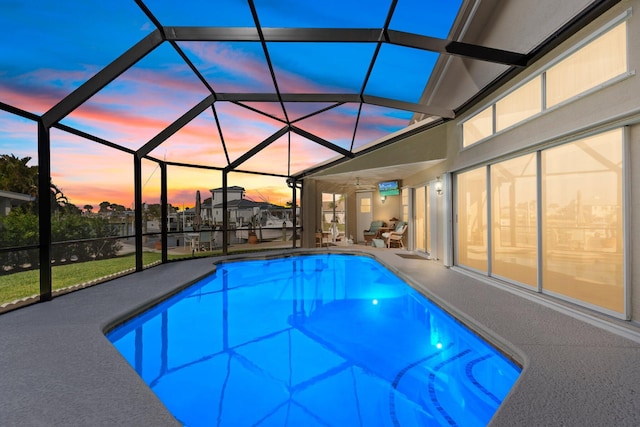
<point x="206" y="239"/>
<point x="320" y="239"/>
<point x="373" y="231"/>
<point x="191" y="239"/>
<point x="396" y="236"/>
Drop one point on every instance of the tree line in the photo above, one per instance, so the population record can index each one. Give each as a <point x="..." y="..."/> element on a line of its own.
<point x="90" y="234"/>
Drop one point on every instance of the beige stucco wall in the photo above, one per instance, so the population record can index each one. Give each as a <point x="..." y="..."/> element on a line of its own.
<point x="426" y="146"/>
<point x="613" y="105"/>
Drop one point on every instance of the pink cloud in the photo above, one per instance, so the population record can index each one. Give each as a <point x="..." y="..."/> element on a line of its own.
<point x="272" y="108"/>
<point x="306" y="154"/>
<point x="272" y="159"/>
<point x="34" y="100"/>
<point x="233" y="62"/>
<point x="183" y="198"/>
<point x="294" y="83"/>
<point x="69" y="79"/>
<point x="119" y="124"/>
<point x="18" y="136"/>
<point x="142" y="102"/>
<point x="276" y="195"/>
<point x="241" y="114"/>
<point x="335" y="125"/>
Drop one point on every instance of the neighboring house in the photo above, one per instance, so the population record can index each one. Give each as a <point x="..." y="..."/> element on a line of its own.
<point x="10" y="200"/>
<point x="240" y="209"/>
<point x="233" y="193"/>
<point x="173" y="219"/>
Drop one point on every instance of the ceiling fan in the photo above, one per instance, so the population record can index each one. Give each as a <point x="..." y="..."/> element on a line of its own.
<point x="362" y="185"/>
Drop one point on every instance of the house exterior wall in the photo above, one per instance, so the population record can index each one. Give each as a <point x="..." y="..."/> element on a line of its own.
<point x="233" y="193"/>
<point x="612" y="106"/>
<point x="9" y="200"/>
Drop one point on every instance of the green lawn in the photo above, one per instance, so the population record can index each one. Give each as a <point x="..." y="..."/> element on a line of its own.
<point x="26" y="283"/>
<point x="18" y="285"/>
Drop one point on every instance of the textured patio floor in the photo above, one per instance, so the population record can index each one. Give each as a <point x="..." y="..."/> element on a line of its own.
<point x="57" y="368"/>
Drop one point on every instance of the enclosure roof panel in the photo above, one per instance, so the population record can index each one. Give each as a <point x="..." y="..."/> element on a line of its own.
<point x="334" y="76"/>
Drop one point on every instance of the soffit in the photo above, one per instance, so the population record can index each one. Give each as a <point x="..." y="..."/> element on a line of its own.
<point x="368" y="179"/>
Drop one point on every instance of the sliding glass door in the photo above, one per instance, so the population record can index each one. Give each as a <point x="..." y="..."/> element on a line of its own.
<point x="333" y="215"/>
<point x="557" y="221"/>
<point x="472" y="219"/>
<point x="582" y="225"/>
<point x="514" y="219"/>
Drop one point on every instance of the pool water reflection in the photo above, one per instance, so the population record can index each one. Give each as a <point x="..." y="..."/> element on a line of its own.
<point x="310" y="340"/>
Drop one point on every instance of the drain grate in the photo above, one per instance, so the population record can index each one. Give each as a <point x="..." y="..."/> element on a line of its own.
<point x="412" y="256"/>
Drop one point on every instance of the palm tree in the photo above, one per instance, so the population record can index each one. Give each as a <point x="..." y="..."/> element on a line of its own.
<point x="17" y="176"/>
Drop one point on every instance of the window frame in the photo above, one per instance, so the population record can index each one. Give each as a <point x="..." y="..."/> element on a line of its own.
<point x="541" y="73"/>
<point x="577" y="135"/>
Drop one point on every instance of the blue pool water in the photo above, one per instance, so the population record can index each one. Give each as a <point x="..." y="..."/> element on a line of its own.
<point x="312" y="340"/>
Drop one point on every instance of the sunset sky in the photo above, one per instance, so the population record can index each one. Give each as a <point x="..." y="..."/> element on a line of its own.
<point x="50" y="50"/>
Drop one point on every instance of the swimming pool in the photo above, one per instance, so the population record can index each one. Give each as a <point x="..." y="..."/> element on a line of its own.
<point x="327" y="339"/>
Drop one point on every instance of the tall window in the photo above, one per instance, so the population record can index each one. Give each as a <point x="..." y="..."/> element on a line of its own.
<point x="524" y="102"/>
<point x="472" y="219"/>
<point x="582" y="220"/>
<point x="478" y="127"/>
<point x="513" y="214"/>
<point x="594" y="64"/>
<point x="580" y="223"/>
<point x="365" y="205"/>
<point x="333" y="214"/>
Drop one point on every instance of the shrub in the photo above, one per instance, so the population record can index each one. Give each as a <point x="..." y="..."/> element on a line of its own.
<point x="20" y="228"/>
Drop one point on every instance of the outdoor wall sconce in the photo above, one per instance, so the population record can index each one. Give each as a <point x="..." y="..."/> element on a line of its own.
<point x="438" y="186"/>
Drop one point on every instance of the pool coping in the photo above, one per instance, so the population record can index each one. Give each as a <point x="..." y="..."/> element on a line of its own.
<point x="58" y="368"/>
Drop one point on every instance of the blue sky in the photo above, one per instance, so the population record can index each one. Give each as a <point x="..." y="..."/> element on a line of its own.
<point x="52" y="48"/>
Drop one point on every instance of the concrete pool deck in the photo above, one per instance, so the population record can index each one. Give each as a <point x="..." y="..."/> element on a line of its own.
<point x="59" y="369"/>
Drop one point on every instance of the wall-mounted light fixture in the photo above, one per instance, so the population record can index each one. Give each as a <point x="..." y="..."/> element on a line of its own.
<point x="438" y="186"/>
<point x="382" y="199"/>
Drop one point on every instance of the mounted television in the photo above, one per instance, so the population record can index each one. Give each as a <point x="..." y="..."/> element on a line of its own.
<point x="389" y="188"/>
